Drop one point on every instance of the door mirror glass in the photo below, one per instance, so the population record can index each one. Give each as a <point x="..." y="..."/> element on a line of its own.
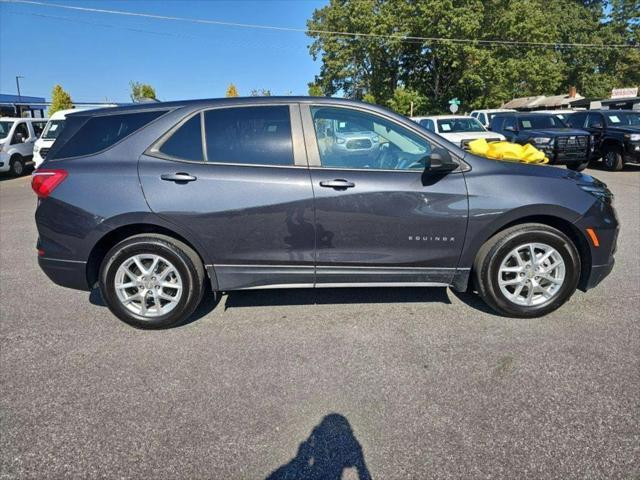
<point x="510" y="128"/>
<point x="440" y="161"/>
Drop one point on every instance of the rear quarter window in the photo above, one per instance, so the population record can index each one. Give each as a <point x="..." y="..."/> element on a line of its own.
<point x="99" y="133"/>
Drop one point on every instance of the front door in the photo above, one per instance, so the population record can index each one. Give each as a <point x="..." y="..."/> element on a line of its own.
<point x="242" y="189"/>
<point x="379" y="217"/>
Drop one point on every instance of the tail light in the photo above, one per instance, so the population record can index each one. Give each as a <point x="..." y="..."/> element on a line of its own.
<point x="45" y="181"/>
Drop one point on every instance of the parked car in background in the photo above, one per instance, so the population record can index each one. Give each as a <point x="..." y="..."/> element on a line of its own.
<point x="560" y="143"/>
<point x="153" y="202"/>
<point x="17" y="137"/>
<point x="485" y="116"/>
<point x="51" y="131"/>
<point x="458" y="129"/>
<point x="616" y="135"/>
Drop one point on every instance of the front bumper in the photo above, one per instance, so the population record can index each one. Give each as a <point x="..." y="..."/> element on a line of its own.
<point x="632" y="152"/>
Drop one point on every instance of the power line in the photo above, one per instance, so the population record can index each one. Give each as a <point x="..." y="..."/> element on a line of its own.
<point x="401" y="38"/>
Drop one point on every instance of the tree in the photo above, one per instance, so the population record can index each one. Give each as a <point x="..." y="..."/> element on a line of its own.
<point x="140" y="91"/>
<point x="60" y="100"/>
<point x="261" y="92"/>
<point x="315" y="90"/>
<point x="406" y="102"/>
<point x="232" y="91"/>
<point x="373" y="66"/>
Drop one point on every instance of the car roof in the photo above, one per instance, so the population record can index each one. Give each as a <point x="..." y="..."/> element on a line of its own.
<point x="445" y="117"/>
<point x="215" y="102"/>
<point x="600" y="110"/>
<point x="15" y="119"/>
<point x="523" y="114"/>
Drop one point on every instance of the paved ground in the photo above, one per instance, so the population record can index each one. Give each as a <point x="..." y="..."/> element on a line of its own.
<point x="399" y="383"/>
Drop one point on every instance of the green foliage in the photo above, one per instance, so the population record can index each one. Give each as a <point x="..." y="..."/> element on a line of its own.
<point x="315" y="90"/>
<point x="232" y="91"/>
<point x="260" y="92"/>
<point x="140" y="91"/>
<point x="390" y="70"/>
<point x="406" y="102"/>
<point x="60" y="100"/>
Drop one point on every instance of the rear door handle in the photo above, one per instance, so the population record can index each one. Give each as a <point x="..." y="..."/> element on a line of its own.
<point x="337" y="183"/>
<point x="178" y="177"/>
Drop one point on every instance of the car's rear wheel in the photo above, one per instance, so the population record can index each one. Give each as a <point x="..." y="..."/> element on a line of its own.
<point x="613" y="159"/>
<point x="527" y="270"/>
<point x="152" y="281"/>
<point x="578" y="166"/>
<point x="16" y="165"/>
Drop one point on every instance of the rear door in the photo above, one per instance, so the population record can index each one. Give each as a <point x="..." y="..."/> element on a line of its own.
<point x="237" y="179"/>
<point x="379" y="217"/>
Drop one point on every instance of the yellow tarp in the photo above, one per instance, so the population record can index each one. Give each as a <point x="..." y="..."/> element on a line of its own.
<point x="507" y="151"/>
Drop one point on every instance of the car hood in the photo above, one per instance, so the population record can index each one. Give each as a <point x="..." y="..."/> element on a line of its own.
<point x="457" y="137"/>
<point x="626" y="129"/>
<point x="555" y="132"/>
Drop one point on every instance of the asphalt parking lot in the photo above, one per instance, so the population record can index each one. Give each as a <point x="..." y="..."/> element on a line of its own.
<point x="349" y="383"/>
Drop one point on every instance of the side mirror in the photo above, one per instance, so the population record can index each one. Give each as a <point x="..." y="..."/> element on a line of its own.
<point x="440" y="161"/>
<point x="510" y="128"/>
<point x="599" y="126"/>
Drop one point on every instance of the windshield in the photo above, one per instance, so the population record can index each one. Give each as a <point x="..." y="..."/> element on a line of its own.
<point x="53" y="129"/>
<point x="540" y="121"/>
<point x="618" y="119"/>
<point x="5" y="128"/>
<point x="462" y="124"/>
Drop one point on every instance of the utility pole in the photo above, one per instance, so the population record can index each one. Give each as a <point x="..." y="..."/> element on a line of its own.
<point x="18" y="77"/>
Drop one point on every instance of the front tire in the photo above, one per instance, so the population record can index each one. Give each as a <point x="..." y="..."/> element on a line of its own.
<point x="613" y="160"/>
<point x="16" y="165"/>
<point x="528" y="270"/>
<point x="578" y="166"/>
<point x="152" y="281"/>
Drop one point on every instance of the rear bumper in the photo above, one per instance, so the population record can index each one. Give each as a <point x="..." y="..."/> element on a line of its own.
<point x="66" y="273"/>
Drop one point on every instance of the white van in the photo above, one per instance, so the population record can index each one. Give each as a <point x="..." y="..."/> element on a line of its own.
<point x="50" y="133"/>
<point x="484" y="116"/>
<point x="17" y="137"/>
<point x="458" y="129"/>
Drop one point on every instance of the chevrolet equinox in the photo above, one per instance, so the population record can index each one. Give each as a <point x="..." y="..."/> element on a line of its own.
<point x="153" y="202"/>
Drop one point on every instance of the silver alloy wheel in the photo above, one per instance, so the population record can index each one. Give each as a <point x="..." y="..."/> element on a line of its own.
<point x="148" y="285"/>
<point x="531" y="274"/>
<point x="18" y="167"/>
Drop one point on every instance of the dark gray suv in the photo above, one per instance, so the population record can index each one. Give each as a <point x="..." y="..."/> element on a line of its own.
<point x="153" y="202"/>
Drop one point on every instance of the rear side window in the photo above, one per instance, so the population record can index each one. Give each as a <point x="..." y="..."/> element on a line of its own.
<point x="428" y="124"/>
<point x="249" y="135"/>
<point x="186" y="141"/>
<point x="101" y="132"/>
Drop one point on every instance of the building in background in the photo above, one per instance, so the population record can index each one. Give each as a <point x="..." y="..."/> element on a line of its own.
<point x="22" y="106"/>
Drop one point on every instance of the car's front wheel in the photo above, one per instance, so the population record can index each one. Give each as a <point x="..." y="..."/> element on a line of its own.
<point x="613" y="160"/>
<point x="152" y="281"/>
<point x="16" y="165"/>
<point x="527" y="270"/>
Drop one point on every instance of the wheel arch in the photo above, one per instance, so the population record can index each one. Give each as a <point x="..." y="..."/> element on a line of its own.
<point x="560" y="223"/>
<point x="122" y="232"/>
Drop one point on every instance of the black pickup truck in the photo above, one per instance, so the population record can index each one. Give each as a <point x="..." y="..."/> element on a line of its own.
<point x="546" y="132"/>
<point x="616" y="134"/>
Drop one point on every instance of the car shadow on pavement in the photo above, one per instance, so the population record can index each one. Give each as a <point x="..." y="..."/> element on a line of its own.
<point x="310" y="296"/>
<point x="330" y="451"/>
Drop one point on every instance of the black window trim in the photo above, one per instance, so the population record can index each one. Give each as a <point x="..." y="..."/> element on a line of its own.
<point x="166" y="111"/>
<point x="297" y="140"/>
<point x="313" y="154"/>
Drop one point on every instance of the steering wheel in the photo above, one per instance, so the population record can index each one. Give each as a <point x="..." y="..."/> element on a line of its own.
<point x="385" y="159"/>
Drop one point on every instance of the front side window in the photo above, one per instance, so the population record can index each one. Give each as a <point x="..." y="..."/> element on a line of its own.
<point x="186" y="142"/>
<point x="576" y="120"/>
<point x="462" y="124"/>
<point x="428" y="124"/>
<point x="594" y="120"/>
<point x="540" y="121"/>
<point x="53" y="129"/>
<point x="249" y="135"/>
<point x="510" y="123"/>
<point x="103" y="131"/>
<point x="352" y="139"/>
<point x="38" y="127"/>
<point x="22" y="130"/>
<point x="5" y="128"/>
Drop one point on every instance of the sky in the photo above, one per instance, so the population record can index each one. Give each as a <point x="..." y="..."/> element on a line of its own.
<point x="94" y="56"/>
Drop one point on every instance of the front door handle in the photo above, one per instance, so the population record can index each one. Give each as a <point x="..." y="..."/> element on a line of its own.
<point x="337" y="183"/>
<point x="178" y="177"/>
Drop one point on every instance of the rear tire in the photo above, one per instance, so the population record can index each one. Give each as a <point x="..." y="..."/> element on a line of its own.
<point x="152" y="281"/>
<point x="498" y="281"/>
<point x="612" y="158"/>
<point x="16" y="165"/>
